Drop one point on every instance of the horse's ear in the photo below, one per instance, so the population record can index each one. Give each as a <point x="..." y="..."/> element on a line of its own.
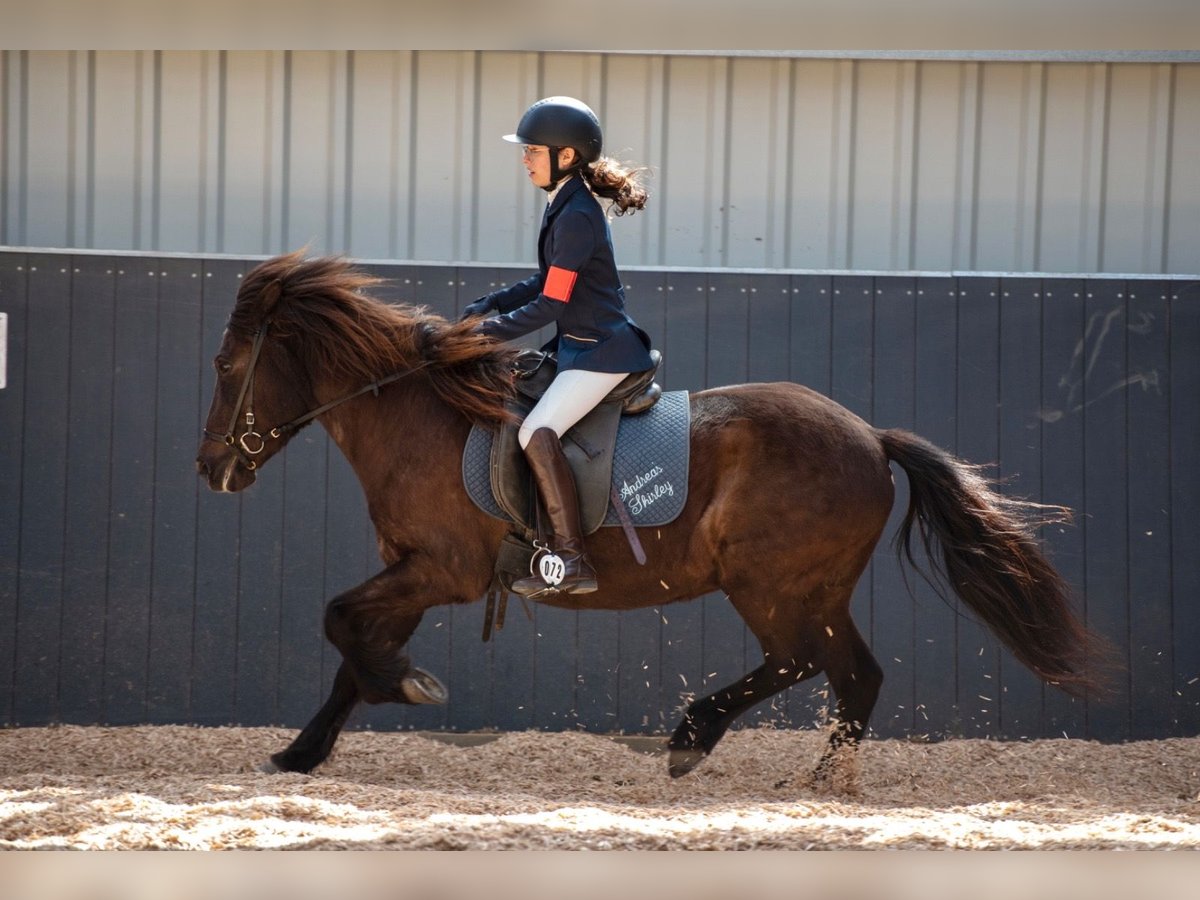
<point x="270" y="296"/>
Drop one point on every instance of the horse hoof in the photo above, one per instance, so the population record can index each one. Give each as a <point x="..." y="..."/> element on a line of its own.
<point x="269" y="768"/>
<point x="680" y="762"/>
<point x="837" y="774"/>
<point x="420" y="687"/>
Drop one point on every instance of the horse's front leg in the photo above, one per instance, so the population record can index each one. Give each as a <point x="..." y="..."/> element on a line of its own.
<point x="313" y="745"/>
<point x="370" y="625"/>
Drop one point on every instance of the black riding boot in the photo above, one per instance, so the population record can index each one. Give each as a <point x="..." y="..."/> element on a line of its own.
<point x="556" y="485"/>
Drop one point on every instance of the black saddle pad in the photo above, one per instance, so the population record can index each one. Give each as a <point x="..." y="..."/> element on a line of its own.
<point x="649" y="468"/>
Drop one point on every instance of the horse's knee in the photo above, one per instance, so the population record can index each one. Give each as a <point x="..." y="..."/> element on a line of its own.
<point x="377" y="659"/>
<point x="338" y="621"/>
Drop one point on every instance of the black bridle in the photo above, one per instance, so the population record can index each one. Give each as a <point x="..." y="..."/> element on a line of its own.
<point x="250" y="443"/>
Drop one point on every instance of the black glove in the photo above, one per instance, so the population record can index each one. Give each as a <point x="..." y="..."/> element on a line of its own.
<point x="480" y="307"/>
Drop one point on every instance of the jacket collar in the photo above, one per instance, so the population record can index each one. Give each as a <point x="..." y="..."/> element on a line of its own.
<point x="563" y="193"/>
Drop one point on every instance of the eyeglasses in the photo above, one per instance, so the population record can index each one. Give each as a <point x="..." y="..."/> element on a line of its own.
<point x="529" y="151"/>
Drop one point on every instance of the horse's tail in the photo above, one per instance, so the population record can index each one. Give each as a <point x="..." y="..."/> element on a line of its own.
<point x="985" y="550"/>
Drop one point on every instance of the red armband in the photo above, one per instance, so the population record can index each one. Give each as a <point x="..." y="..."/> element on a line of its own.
<point x="559" y="284"/>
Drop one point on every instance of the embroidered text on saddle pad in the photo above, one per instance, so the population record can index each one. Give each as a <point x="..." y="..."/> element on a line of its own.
<point x="649" y="472"/>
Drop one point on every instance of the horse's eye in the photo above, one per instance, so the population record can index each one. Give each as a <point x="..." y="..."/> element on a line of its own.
<point x="222" y="366"/>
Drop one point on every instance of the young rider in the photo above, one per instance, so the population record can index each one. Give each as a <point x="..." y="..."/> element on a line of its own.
<point x="576" y="287"/>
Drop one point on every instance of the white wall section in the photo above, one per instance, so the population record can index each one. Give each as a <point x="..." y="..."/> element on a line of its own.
<point x="760" y="161"/>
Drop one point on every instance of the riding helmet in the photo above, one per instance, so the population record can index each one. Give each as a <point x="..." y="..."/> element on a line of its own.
<point x="561" y="122"/>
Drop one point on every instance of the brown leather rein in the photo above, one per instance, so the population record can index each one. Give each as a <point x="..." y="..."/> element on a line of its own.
<point x="250" y="443"/>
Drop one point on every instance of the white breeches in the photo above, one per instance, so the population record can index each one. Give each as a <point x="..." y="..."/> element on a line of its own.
<point x="571" y="396"/>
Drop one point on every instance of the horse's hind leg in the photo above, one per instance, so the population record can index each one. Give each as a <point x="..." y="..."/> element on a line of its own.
<point x="800" y="639"/>
<point x="791" y="631"/>
<point x="855" y="677"/>
<point x="707" y="720"/>
<point x="313" y="744"/>
<point x="792" y="652"/>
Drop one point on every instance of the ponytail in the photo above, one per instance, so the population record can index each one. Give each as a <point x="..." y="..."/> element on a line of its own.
<point x="622" y="185"/>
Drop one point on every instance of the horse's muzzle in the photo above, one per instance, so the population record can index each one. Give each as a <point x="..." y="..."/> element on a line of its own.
<point x="220" y="469"/>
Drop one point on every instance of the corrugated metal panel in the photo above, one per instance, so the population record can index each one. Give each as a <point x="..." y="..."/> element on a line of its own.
<point x="758" y="161"/>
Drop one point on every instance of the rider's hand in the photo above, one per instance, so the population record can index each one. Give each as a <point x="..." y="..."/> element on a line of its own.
<point x="480" y="307"/>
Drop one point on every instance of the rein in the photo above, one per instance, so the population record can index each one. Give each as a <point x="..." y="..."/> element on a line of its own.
<point x="250" y="443"/>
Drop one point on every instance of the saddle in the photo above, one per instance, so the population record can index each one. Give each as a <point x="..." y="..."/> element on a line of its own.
<point x="588" y="445"/>
<point x="629" y="457"/>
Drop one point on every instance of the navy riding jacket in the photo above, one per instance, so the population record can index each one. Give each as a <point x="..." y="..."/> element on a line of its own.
<point x="578" y="288"/>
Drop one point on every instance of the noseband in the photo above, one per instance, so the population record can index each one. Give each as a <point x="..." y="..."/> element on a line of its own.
<point x="250" y="443"/>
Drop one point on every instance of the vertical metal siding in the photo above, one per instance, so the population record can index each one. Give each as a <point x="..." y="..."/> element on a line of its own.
<point x="757" y="162"/>
<point x="251" y="198"/>
<point x="1182" y="214"/>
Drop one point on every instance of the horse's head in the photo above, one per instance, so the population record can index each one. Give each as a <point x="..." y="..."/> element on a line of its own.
<point x="304" y="336"/>
<point x="260" y="384"/>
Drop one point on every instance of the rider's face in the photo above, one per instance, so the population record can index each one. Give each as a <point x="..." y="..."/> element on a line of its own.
<point x="537" y="163"/>
<point x="536" y="159"/>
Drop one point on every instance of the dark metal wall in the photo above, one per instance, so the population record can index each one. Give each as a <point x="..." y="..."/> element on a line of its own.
<point x="129" y="593"/>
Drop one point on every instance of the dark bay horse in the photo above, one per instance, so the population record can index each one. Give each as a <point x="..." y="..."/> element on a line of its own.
<point x="788" y="494"/>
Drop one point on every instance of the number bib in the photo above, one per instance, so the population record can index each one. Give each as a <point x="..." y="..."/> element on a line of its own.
<point x="551" y="568"/>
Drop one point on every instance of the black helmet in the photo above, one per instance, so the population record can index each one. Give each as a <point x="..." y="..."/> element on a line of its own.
<point x="561" y="122"/>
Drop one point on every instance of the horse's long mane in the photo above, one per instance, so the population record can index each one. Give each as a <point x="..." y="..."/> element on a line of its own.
<point x="320" y="307"/>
